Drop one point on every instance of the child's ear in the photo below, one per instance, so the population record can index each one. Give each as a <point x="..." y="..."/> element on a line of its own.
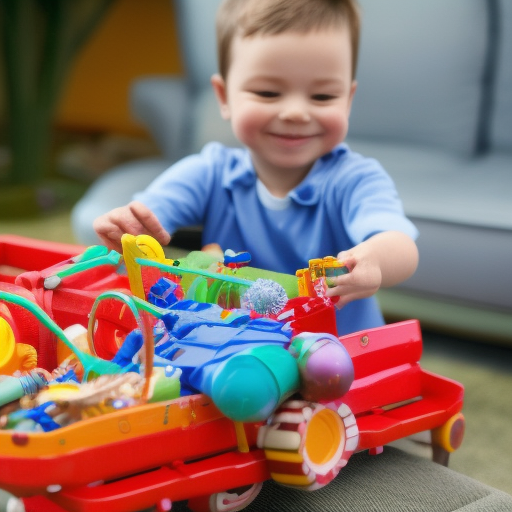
<point x="219" y="88"/>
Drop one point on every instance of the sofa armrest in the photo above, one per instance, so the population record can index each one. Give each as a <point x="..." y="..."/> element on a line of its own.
<point x="162" y="104"/>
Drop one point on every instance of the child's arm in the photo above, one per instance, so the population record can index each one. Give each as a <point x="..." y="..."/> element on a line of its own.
<point x="385" y="259"/>
<point x="135" y="219"/>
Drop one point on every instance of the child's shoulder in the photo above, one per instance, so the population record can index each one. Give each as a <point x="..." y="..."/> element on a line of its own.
<point x="346" y="174"/>
<point x="232" y="163"/>
<point x="344" y="163"/>
<point x="218" y="151"/>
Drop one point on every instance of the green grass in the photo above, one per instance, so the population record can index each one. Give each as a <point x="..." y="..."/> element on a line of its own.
<point x="448" y="316"/>
<point x="54" y="227"/>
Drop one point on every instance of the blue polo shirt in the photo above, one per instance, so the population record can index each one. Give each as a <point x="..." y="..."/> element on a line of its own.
<point x="344" y="199"/>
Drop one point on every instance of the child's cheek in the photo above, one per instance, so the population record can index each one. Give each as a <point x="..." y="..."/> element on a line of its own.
<point x="337" y="127"/>
<point x="246" y="125"/>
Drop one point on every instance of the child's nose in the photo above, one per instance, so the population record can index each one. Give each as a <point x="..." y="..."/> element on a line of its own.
<point x="295" y="111"/>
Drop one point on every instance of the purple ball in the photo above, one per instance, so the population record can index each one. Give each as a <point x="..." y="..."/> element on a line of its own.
<point x="325" y="367"/>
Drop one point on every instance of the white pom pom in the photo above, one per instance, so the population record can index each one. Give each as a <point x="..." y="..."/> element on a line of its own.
<point x="265" y="296"/>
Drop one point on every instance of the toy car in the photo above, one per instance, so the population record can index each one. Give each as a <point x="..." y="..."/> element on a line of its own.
<point x="185" y="448"/>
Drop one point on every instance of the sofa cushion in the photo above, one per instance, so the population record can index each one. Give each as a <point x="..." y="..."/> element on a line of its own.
<point x="420" y="72"/>
<point x="463" y="211"/>
<point x="393" y="481"/>
<point x="441" y="186"/>
<point x="502" y="119"/>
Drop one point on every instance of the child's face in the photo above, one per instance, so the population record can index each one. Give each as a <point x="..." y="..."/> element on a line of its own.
<point x="288" y="96"/>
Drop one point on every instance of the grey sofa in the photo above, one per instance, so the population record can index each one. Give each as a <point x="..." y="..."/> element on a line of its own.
<point x="434" y="105"/>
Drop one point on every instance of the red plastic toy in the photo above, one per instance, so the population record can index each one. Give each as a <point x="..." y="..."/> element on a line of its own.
<point x="184" y="448"/>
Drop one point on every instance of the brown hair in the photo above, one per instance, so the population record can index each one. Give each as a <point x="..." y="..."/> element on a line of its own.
<point x="270" y="17"/>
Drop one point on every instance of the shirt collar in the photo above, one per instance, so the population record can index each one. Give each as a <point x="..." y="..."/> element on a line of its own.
<point x="241" y="173"/>
<point x="240" y="170"/>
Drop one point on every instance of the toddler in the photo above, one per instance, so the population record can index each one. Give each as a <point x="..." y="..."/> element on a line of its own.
<point x="295" y="191"/>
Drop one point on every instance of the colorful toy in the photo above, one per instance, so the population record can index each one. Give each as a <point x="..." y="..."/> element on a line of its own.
<point x="140" y="444"/>
<point x="319" y="271"/>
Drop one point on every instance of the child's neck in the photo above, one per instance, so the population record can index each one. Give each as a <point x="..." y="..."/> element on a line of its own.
<point x="279" y="182"/>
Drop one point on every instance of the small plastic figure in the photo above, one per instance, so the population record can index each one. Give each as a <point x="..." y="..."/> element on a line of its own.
<point x="236" y="259"/>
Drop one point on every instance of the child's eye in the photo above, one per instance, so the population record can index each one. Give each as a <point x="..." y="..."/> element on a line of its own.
<point x="323" y="97"/>
<point x="266" y="94"/>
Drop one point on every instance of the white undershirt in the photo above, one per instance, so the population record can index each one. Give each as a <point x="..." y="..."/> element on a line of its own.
<point x="268" y="200"/>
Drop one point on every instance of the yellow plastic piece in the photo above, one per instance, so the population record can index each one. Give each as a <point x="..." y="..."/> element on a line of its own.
<point x="324" y="435"/>
<point x="302" y="281"/>
<point x="282" y="456"/>
<point x="58" y="391"/>
<point x="243" y="445"/>
<point x="27" y="357"/>
<point x="318" y="268"/>
<point x="295" y="480"/>
<point x="140" y="247"/>
<point x="442" y="436"/>
<point x="14" y="356"/>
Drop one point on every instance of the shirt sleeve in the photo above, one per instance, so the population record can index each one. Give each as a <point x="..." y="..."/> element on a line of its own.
<point x="370" y="202"/>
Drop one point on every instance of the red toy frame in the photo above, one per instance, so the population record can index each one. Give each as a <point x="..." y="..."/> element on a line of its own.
<point x="391" y="397"/>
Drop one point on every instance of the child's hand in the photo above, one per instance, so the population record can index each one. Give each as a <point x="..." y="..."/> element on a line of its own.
<point x="363" y="280"/>
<point x="385" y="259"/>
<point x="135" y="219"/>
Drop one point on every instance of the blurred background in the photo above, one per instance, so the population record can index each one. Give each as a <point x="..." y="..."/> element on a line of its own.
<point x="78" y="118"/>
<point x="65" y="77"/>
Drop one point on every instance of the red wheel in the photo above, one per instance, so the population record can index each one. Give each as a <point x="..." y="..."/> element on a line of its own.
<point x="306" y="444"/>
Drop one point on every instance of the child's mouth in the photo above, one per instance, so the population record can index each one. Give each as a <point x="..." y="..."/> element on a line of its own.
<point x="291" y="139"/>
